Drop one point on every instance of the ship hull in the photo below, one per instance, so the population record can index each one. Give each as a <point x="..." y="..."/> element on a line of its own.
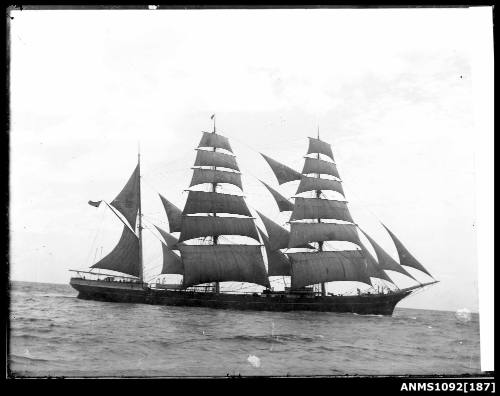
<point x="374" y="304"/>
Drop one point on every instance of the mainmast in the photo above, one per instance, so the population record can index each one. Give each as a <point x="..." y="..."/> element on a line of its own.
<point x="212" y="263"/>
<point x="141" y="268"/>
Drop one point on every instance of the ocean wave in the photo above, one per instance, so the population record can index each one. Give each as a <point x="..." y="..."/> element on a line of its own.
<point x="56" y="295"/>
<point x="25" y="359"/>
<point x="272" y="338"/>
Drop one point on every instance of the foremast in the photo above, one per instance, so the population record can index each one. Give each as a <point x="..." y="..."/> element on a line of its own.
<point x="321" y="266"/>
<point x="320" y="243"/>
<point x="214" y="189"/>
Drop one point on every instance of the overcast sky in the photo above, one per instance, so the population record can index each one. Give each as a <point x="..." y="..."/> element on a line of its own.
<point x="390" y="89"/>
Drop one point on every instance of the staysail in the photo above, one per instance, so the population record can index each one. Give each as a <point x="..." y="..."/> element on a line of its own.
<point x="279" y="237"/>
<point x="283" y="203"/>
<point x="385" y="261"/>
<point x="372" y="266"/>
<point x="172" y="263"/>
<point x="278" y="263"/>
<point x="405" y="257"/>
<point x="282" y="172"/>
<point x="173" y="214"/>
<point x="170" y="240"/>
<point x="124" y="257"/>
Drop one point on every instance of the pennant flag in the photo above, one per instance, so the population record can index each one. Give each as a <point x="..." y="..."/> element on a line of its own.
<point x="95" y="203"/>
<point x="213" y="115"/>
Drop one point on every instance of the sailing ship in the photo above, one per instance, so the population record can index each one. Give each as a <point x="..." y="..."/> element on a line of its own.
<point x="218" y="242"/>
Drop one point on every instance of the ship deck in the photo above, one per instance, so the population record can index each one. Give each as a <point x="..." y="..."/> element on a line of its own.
<point x="135" y="292"/>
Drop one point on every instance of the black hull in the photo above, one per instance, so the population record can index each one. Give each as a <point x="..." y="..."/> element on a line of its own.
<point x="374" y="304"/>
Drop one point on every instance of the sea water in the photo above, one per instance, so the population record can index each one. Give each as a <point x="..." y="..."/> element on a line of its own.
<point x="52" y="333"/>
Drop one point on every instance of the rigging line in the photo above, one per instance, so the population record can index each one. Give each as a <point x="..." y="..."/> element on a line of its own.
<point x="151" y="231"/>
<point x="116" y="214"/>
<point x="182" y="155"/>
<point x="154" y="220"/>
<point x="96" y="234"/>
<point x="246" y="172"/>
<point x="259" y="179"/>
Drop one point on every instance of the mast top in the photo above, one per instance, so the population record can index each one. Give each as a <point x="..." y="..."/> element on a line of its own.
<point x="213" y="118"/>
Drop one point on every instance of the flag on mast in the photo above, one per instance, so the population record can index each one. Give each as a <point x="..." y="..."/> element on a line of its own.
<point x="95" y="203"/>
<point x="212" y="117"/>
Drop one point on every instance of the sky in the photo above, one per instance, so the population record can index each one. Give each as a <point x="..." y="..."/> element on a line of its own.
<point x="391" y="90"/>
